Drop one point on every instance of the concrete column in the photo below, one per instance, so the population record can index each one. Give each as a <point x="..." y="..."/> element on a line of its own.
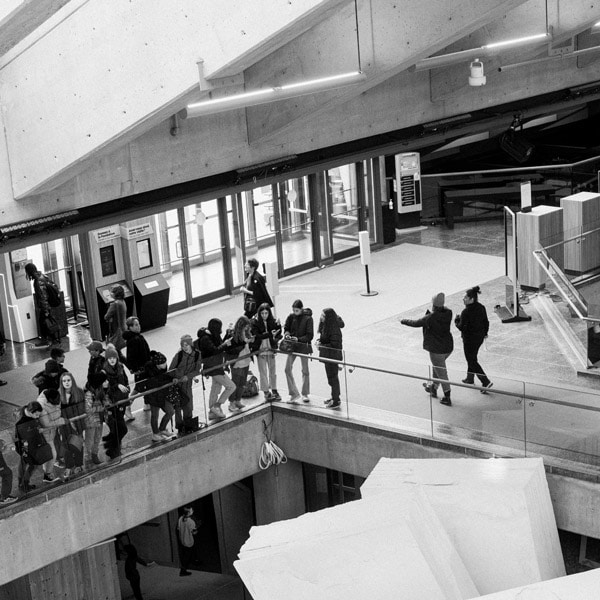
<point x="90" y="574"/>
<point x="279" y="493"/>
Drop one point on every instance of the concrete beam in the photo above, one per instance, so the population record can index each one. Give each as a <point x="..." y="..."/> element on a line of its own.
<point x="392" y="39"/>
<point x="102" y="74"/>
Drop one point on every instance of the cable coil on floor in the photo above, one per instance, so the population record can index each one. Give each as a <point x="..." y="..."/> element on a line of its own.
<point x="270" y="453"/>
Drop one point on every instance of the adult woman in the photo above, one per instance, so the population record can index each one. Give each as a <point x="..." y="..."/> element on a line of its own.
<point x="115" y="317"/>
<point x="254" y="288"/>
<point x="94" y="408"/>
<point x="329" y="343"/>
<point x="51" y="421"/>
<point x="438" y="341"/>
<point x="474" y="326"/>
<point x="155" y="375"/>
<point x="266" y="331"/>
<point x="72" y="408"/>
<point x="239" y="347"/>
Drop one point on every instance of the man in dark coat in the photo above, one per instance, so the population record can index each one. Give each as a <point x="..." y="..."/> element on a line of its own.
<point x="438" y="341"/>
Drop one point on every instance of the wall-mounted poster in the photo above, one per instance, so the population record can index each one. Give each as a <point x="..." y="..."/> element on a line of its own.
<point x="144" y="253"/>
<point x="107" y="261"/>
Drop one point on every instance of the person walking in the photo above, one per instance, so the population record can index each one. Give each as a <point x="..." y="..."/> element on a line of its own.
<point x="115" y="317"/>
<point x="254" y="288"/>
<point x="438" y="341"/>
<point x="131" y="572"/>
<point x="330" y="346"/>
<point x="474" y="325"/>
<point x="299" y="328"/>
<point x="186" y="530"/>
<point x="49" y="330"/>
<point x="266" y="331"/>
<point x="211" y="347"/>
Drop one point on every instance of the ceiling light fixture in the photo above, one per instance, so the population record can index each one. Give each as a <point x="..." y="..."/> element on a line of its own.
<point x="271" y="94"/>
<point x="537" y="61"/>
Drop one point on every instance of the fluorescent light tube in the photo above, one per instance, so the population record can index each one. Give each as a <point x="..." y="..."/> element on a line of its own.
<point x="516" y="41"/>
<point x="271" y="94"/>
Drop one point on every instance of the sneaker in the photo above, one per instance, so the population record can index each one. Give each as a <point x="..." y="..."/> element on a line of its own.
<point x="430" y="390"/>
<point x="294" y="399"/>
<point x="468" y="381"/>
<point x="239" y="404"/>
<point x="42" y="344"/>
<point x="129" y="417"/>
<point x="446" y="401"/>
<point x="96" y="460"/>
<point x="49" y="478"/>
<point x="305" y="399"/>
<point x="156" y="437"/>
<point x="233" y="407"/>
<point x="268" y="396"/>
<point x="8" y="500"/>
<point x="334" y="404"/>
<point x="486" y="387"/>
<point x="216" y="413"/>
<point x="167" y="435"/>
<point x="275" y="397"/>
<point x="328" y="402"/>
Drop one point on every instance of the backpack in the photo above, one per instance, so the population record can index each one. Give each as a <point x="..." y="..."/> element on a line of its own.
<point x="251" y="386"/>
<point x="53" y="293"/>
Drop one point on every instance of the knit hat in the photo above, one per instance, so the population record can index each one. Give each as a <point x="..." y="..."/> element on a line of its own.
<point x="186" y="339"/>
<point x="97" y="346"/>
<point x="157" y="358"/>
<point x="438" y="300"/>
<point x="110" y="353"/>
<point x="51" y="366"/>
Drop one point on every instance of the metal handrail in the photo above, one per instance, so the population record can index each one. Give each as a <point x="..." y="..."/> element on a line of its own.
<point x="572" y="239"/>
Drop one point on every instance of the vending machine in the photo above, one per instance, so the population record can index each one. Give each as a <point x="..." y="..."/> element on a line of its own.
<point x="408" y="189"/>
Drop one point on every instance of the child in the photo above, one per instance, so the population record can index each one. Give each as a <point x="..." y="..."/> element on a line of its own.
<point x="111" y="346"/>
<point x="239" y="348"/>
<point x="267" y="332"/>
<point x="116" y="387"/>
<point x="94" y="409"/>
<point x="96" y="364"/>
<point x="156" y="375"/>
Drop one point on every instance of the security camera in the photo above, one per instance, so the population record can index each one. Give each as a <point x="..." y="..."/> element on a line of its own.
<point x="477" y="77"/>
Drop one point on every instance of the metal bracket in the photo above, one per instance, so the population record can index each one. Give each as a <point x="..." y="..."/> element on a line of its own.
<point x="217" y="83"/>
<point x="565" y="47"/>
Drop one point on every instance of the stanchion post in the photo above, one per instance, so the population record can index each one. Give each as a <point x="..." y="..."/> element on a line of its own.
<point x="365" y="259"/>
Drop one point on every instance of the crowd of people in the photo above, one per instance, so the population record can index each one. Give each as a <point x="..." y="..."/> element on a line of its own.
<point x="73" y="416"/>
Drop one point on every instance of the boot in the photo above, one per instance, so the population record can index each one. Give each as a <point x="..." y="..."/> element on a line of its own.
<point x="446" y="399"/>
<point x="96" y="460"/>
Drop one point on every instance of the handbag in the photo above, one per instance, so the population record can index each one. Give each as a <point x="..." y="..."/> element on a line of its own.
<point x="287" y="345"/>
<point x="175" y="396"/>
<point x="249" y="305"/>
<point x="41" y="454"/>
<point x="51" y="324"/>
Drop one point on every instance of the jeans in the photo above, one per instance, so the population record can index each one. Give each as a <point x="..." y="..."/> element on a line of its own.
<point x="266" y="371"/>
<point x="93" y="436"/>
<point x="186" y="556"/>
<point x="471" y="348"/>
<point x="333" y="379"/>
<point x="7" y="478"/>
<point x="439" y="370"/>
<point x="169" y="411"/>
<point x="220" y="382"/>
<point x="292" y="389"/>
<point x="239" y="377"/>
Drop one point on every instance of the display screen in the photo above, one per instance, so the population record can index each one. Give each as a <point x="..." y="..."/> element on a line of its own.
<point x="107" y="261"/>
<point x="144" y="254"/>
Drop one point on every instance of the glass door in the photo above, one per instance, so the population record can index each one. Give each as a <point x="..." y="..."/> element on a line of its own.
<point x="294" y="226"/>
<point x="344" y="210"/>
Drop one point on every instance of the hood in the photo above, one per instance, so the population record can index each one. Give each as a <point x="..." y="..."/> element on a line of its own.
<point x="307" y="312"/>
<point x="215" y="326"/>
<point x="129" y="335"/>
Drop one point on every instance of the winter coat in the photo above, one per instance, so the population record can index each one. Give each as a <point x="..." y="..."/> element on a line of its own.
<point x="72" y="410"/>
<point x="94" y="409"/>
<point x="330" y="344"/>
<point x="186" y="364"/>
<point x="155" y="378"/>
<point x="473" y="322"/>
<point x="262" y="331"/>
<point x="211" y="348"/>
<point x="437" y="338"/>
<point x="115" y="317"/>
<point x="138" y="351"/>
<point x="51" y="418"/>
<point x="301" y="327"/>
<point x="116" y="376"/>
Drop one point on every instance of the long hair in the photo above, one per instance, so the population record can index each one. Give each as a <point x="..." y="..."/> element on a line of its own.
<point x="76" y="391"/>
<point x="330" y="323"/>
<point x="241" y="327"/>
<point x="264" y="306"/>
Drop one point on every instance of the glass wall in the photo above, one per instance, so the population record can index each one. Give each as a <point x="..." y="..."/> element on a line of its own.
<point x="344" y="209"/>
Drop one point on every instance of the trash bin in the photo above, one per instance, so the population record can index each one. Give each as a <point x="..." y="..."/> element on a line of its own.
<point x="152" y="301"/>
